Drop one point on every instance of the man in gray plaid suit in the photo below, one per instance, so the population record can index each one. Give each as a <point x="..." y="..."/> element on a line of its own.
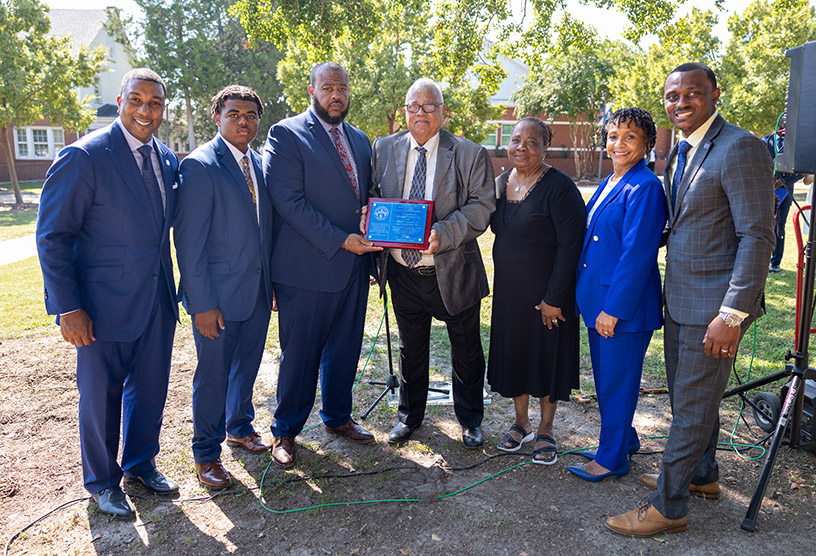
<point x="719" y="187"/>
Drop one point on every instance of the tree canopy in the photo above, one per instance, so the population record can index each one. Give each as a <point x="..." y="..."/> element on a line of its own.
<point x="39" y="75"/>
<point x="382" y="67"/>
<point x="198" y="48"/>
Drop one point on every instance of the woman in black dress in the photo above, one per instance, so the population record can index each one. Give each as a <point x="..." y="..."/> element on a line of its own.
<point x="539" y="226"/>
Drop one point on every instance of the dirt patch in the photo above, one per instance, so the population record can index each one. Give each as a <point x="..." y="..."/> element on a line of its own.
<point x="527" y="510"/>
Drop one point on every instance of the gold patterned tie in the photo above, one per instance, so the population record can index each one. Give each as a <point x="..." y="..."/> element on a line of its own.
<point x="248" y="178"/>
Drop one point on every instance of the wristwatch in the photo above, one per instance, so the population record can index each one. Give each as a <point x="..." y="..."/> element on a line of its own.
<point x="730" y="319"/>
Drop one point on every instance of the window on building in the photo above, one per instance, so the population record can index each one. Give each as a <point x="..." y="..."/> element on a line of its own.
<point x="38" y="142"/>
<point x="490" y="140"/>
<point x="22" y="143"/>
<point x="506" y="132"/>
<point x="96" y="88"/>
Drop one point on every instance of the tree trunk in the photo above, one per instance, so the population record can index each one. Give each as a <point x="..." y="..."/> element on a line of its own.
<point x="188" y="106"/>
<point x="15" y="184"/>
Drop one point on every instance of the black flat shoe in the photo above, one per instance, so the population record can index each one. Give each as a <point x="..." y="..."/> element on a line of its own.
<point x="400" y="433"/>
<point x="473" y="438"/>
<point x="112" y="501"/>
<point x="155" y="482"/>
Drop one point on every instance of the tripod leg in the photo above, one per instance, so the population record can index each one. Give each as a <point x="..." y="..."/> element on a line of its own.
<point x="756" y="501"/>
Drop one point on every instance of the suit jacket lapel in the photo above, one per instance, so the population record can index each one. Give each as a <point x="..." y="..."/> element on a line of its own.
<point x="169" y="179"/>
<point x="667" y="185"/>
<point x="228" y="162"/>
<point x="616" y="190"/>
<point x="401" y="149"/>
<point x="328" y="145"/>
<point x="444" y="161"/>
<point x="703" y="149"/>
<point x="125" y="164"/>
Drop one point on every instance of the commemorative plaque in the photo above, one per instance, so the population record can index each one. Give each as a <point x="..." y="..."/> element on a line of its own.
<point x="401" y="223"/>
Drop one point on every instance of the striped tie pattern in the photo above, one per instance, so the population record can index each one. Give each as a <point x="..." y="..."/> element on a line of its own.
<point x="345" y="159"/>
<point x="417" y="191"/>
<point x="152" y="185"/>
<point x="248" y="178"/>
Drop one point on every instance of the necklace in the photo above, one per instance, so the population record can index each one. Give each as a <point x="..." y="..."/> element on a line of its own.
<point x="528" y="182"/>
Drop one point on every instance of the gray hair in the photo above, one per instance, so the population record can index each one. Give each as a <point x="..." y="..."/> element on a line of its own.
<point x="420" y="85"/>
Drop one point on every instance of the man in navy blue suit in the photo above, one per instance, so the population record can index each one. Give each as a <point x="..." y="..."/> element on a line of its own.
<point x="317" y="168"/>
<point x="222" y="230"/>
<point x="103" y="240"/>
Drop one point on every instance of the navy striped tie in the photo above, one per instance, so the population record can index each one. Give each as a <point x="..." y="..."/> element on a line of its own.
<point x="417" y="191"/>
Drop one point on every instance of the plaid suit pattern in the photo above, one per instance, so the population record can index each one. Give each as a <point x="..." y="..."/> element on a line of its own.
<point x="718" y="250"/>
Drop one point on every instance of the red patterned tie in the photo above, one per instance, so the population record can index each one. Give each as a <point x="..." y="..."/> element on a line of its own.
<point x="345" y="159"/>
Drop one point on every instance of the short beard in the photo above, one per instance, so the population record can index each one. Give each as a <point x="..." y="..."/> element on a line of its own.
<point x="323" y="114"/>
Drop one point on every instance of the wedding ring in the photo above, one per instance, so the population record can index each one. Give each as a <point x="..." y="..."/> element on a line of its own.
<point x="723" y="351"/>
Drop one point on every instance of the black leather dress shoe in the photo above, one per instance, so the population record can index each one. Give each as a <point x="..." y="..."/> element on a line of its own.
<point x="400" y="433"/>
<point x="112" y="501"/>
<point x="155" y="482"/>
<point x="472" y="438"/>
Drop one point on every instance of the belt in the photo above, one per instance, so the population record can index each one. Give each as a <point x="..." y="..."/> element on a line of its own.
<point x="422" y="270"/>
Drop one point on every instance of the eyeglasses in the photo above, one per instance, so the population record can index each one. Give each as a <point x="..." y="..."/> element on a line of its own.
<point x="427" y="108"/>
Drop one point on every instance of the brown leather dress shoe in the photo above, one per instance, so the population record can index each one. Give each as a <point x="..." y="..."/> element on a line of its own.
<point x="212" y="475"/>
<point x="252" y="442"/>
<point x="284" y="453"/>
<point x="645" y="521"/>
<point x="710" y="490"/>
<point x="353" y="432"/>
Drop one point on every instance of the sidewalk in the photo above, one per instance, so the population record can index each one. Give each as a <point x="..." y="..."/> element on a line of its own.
<point x="14" y="250"/>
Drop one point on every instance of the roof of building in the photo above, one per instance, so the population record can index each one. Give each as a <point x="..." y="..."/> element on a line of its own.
<point x="107" y="111"/>
<point x="82" y="25"/>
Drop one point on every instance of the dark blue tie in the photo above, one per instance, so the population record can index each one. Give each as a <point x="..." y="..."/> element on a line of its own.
<point x="417" y="191"/>
<point x="682" y="150"/>
<point x="152" y="185"/>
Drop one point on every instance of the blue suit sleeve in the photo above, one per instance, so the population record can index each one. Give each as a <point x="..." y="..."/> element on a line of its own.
<point x="67" y="194"/>
<point x="194" y="206"/>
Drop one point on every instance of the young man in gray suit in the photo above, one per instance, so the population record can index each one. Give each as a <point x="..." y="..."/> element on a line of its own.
<point x="446" y="281"/>
<point x="719" y="188"/>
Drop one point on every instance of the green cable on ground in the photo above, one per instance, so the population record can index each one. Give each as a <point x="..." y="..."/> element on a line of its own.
<point x="441" y="496"/>
<point x="742" y="408"/>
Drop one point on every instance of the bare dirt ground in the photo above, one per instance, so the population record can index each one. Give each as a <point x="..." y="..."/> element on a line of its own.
<point x="528" y="510"/>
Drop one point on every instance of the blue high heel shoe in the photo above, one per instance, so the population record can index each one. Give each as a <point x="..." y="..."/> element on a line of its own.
<point x="578" y="470"/>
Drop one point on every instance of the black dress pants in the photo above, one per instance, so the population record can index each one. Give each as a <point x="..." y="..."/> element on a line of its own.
<point x="416" y="299"/>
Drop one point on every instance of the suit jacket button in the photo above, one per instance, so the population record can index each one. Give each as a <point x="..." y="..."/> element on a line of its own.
<point x="258" y="270"/>
<point x="594" y="238"/>
<point x="357" y="211"/>
<point x="155" y="278"/>
<point x="674" y="232"/>
<point x="584" y="265"/>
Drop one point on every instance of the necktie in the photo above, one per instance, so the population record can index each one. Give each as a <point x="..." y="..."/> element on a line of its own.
<point x="152" y="185"/>
<point x="682" y="150"/>
<point x="417" y="191"/>
<point x="345" y="159"/>
<point x="248" y="178"/>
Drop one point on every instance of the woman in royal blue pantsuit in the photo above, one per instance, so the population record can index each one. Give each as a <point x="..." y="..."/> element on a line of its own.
<point x="618" y="289"/>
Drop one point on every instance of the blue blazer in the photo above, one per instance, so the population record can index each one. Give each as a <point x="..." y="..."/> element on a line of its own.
<point x="617" y="269"/>
<point x="315" y="204"/>
<point x="96" y="235"/>
<point x="222" y="249"/>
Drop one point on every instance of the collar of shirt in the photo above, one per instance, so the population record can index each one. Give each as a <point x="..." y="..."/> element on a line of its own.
<point x="328" y="127"/>
<point x="431" y="147"/>
<point x="134" y="145"/>
<point x="694" y="140"/>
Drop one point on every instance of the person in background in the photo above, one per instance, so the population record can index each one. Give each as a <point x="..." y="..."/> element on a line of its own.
<point x="784" y="193"/>
<point x="619" y="292"/>
<point x="534" y="344"/>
